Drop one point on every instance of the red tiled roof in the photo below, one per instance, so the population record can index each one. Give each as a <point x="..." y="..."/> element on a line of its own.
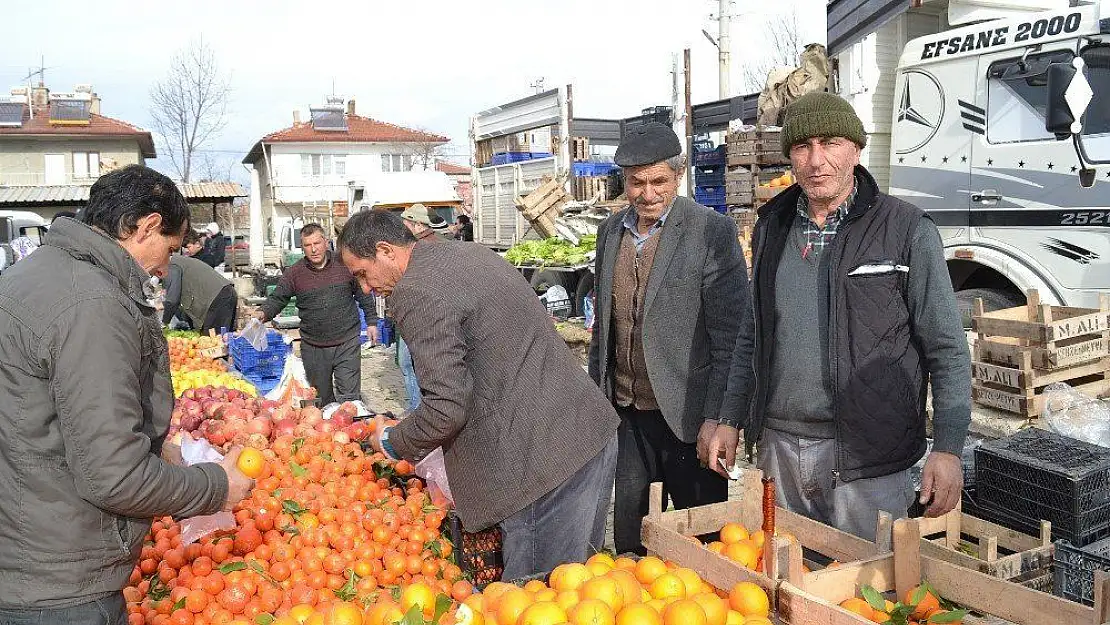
<point x="99" y="126"/>
<point x="452" y="169"/>
<point x="359" y="129"/>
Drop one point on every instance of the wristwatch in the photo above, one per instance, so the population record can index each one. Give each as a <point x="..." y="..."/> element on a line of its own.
<point x="733" y="423"/>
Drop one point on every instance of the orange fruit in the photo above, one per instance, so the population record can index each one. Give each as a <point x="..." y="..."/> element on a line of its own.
<point x="733" y="533"/>
<point x="631" y="591"/>
<point x="757" y="539"/>
<point x="690" y="579"/>
<point x="534" y="586"/>
<point x="511" y="605"/>
<point x="543" y="613"/>
<point x="419" y="595"/>
<point x="684" y="612"/>
<point x="625" y="563"/>
<point x="591" y="612"/>
<point x="743" y="553"/>
<point x="465" y="615"/>
<point x="668" y="585"/>
<point x="603" y="558"/>
<point x="606" y="589"/>
<point x="734" y="618"/>
<point x="715" y="608"/>
<point x="301" y="612"/>
<point x="858" y="606"/>
<point x="343" y="613"/>
<point x="716" y="546"/>
<point x="749" y="599"/>
<point x="649" y="568"/>
<point x="569" y="576"/>
<point x="927" y="601"/>
<point x="251" y="461"/>
<point x="638" y="614"/>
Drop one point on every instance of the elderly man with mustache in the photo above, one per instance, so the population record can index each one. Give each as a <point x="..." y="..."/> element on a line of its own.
<point x="672" y="289"/>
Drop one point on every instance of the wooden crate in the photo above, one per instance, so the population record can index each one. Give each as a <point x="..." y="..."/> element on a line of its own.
<point x="219" y="351"/>
<point x="816" y="601"/>
<point x="671" y="534"/>
<point x="589" y="187"/>
<point x="1026" y="560"/>
<point x="767" y="193"/>
<point x="1019" y="351"/>
<point x="544" y="205"/>
<point x="580" y="148"/>
<point x="483" y="152"/>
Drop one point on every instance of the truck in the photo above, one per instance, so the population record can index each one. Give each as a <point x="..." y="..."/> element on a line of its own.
<point x="994" y="117"/>
<point x="521" y="145"/>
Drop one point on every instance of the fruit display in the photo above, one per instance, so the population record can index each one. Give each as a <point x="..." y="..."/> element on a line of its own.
<point x="620" y="591"/>
<point x="742" y="547"/>
<point x="921" y="605"/>
<point x="229" y="417"/>
<point x="785" y="180"/>
<point x="187" y="353"/>
<point x="325" y="537"/>
<point x="183" y="381"/>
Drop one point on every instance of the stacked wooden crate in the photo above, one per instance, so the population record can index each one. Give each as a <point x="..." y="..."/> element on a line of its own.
<point x="754" y="159"/>
<point x="1020" y="351"/>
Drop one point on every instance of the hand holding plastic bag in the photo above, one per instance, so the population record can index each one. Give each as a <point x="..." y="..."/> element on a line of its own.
<point x="433" y="470"/>
<point x="195" y="528"/>
<point x="255" y="333"/>
<point x="293" y="386"/>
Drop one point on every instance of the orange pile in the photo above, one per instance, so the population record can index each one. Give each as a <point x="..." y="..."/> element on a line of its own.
<point x="784" y="180"/>
<point x="604" y="591"/>
<point x="920" y="605"/>
<point x="320" y="535"/>
<point x="185" y="354"/>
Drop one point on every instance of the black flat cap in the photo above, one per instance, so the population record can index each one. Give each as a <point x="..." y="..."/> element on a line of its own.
<point x="647" y="144"/>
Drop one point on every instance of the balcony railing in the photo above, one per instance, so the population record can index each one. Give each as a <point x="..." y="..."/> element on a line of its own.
<point x="13" y="179"/>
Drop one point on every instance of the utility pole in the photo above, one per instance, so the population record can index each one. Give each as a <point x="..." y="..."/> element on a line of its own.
<point x="689" y="123"/>
<point x="723" y="47"/>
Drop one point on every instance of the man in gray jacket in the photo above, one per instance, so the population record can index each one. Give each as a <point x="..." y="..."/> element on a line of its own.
<point x="528" y="441"/>
<point x="854" y="317"/>
<point x="671" y="288"/>
<point x="85" y="403"/>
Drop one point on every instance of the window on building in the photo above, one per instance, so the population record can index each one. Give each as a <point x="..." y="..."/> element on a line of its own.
<point x="86" y="165"/>
<point x="1017" y="97"/>
<point x="396" y="162"/>
<point x="1096" y="122"/>
<point x="323" y="165"/>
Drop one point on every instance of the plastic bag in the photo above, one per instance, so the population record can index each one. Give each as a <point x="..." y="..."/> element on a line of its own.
<point x="434" y="471"/>
<point x="1071" y="413"/>
<point x="293" y="386"/>
<point x="255" y="333"/>
<point x="195" y="528"/>
<point x="363" y="411"/>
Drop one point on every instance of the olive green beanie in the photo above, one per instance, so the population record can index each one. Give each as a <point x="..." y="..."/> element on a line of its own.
<point x="820" y="114"/>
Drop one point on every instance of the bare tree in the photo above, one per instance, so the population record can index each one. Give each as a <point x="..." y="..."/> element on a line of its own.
<point x="189" y="106"/>
<point x="424" y="153"/>
<point x="783" y="43"/>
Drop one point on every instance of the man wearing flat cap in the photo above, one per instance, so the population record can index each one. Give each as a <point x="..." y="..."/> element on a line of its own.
<point x="672" y="288"/>
<point x="424" y="223"/>
<point x="854" y="316"/>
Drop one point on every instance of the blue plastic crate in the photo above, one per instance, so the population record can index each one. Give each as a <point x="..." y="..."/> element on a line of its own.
<point x="709" y="196"/>
<point x="709" y="177"/>
<point x="266" y="363"/>
<point x="517" y="157"/>
<point x="715" y="156"/>
<point x="592" y="169"/>
<point x="264" y="384"/>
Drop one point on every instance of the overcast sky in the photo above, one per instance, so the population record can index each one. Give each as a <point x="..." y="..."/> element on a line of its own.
<point x="427" y="64"/>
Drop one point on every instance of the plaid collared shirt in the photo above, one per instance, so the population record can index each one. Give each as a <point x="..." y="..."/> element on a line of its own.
<point x="818" y="237"/>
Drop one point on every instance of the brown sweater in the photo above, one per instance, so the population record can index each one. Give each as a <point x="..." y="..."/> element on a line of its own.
<point x="631" y="385"/>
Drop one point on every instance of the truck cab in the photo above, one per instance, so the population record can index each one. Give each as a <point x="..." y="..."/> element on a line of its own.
<point x="967" y="142"/>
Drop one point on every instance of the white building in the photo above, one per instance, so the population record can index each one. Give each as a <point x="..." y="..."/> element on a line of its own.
<point x="304" y="171"/>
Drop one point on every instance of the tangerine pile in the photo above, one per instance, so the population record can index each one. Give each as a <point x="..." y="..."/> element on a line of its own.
<point x="603" y="591"/>
<point x="185" y="354"/>
<point x="920" y="605"/>
<point x="742" y="547"/>
<point x="323" y="536"/>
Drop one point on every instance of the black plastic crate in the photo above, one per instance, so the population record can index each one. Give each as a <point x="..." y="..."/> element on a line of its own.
<point x="1074" y="575"/>
<point x="478" y="554"/>
<point x="1036" y="474"/>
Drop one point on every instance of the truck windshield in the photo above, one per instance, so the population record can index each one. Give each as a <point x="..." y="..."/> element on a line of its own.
<point x="1017" y="97"/>
<point x="1096" y="122"/>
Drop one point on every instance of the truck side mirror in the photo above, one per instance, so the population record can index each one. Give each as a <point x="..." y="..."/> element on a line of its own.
<point x="1058" y="117"/>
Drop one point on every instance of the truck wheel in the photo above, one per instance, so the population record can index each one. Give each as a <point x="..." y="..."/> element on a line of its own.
<point x="585" y="289"/>
<point x="993" y="299"/>
<point x="544" y="279"/>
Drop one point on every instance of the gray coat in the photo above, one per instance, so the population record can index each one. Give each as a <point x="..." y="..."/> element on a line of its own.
<point x="696" y="294"/>
<point x="85" y="403"/>
<point x="513" y="410"/>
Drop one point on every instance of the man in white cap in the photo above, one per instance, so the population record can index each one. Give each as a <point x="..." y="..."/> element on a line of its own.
<point x="215" y="246"/>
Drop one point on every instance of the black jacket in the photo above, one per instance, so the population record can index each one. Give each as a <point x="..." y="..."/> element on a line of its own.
<point x="878" y="374"/>
<point x="215" y="249"/>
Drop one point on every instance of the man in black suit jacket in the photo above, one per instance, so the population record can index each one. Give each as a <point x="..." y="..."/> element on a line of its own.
<point x="672" y="286"/>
